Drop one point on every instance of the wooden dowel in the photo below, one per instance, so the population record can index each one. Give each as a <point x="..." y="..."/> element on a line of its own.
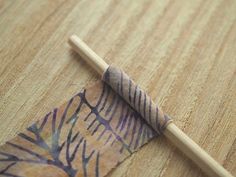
<point x="172" y="132"/>
<point x="192" y="150"/>
<point x="88" y="55"/>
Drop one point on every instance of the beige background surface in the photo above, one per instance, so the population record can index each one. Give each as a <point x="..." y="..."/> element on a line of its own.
<point x="183" y="53"/>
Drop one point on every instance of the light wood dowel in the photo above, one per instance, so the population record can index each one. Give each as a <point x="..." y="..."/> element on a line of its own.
<point x="172" y="132"/>
<point x="210" y="166"/>
<point x="96" y="62"/>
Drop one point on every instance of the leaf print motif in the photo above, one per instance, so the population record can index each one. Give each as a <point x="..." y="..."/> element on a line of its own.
<point x="87" y="136"/>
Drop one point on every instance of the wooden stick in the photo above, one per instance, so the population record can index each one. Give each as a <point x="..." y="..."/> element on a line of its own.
<point x="172" y="132"/>
<point x="96" y="62"/>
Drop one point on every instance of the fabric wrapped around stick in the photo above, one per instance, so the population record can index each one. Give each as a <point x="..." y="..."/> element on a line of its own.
<point x="136" y="97"/>
<point x="87" y="136"/>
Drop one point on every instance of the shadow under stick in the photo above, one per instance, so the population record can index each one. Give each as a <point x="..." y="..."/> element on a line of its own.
<point x="142" y="103"/>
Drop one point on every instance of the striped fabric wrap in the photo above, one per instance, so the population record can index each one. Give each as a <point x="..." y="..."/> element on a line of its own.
<point x="136" y="97"/>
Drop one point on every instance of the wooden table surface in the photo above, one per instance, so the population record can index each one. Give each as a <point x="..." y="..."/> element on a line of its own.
<point x="183" y="53"/>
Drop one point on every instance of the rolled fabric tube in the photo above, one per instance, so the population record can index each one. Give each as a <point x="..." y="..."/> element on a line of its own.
<point x="136" y="97"/>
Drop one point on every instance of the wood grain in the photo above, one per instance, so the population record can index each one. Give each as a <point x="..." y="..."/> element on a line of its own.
<point x="183" y="53"/>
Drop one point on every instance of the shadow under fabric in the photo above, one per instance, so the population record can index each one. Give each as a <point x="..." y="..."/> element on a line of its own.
<point x="87" y="136"/>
